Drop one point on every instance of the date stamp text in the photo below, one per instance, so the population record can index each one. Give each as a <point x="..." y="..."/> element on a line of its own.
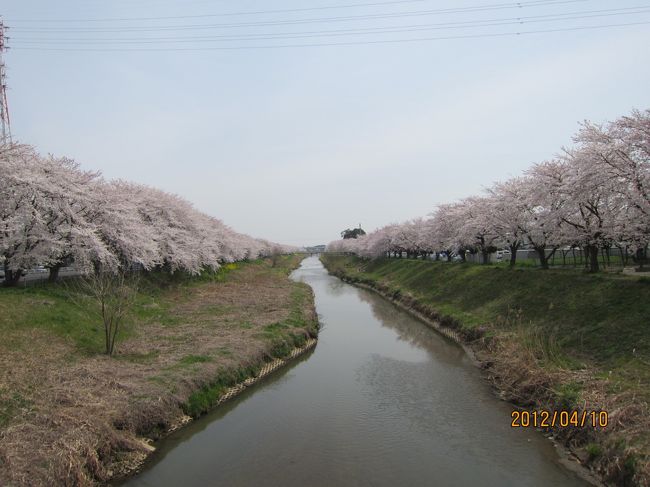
<point x="562" y="419"/>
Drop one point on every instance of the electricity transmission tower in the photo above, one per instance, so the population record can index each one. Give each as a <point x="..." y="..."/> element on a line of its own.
<point x="4" y="107"/>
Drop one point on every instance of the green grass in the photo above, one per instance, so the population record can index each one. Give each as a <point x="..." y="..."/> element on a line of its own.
<point x="195" y="359"/>
<point x="568" y="395"/>
<point x="47" y="307"/>
<point x="615" y="262"/>
<point x="204" y="399"/>
<point x="594" y="450"/>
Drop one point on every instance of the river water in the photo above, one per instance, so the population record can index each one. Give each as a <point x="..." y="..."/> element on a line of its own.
<point x="382" y="401"/>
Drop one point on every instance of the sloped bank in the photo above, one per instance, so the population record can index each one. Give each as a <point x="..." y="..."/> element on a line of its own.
<point x="527" y="333"/>
<point x="69" y="415"/>
<point x="226" y="386"/>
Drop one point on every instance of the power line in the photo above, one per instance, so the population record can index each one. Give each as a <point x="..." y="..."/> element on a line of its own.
<point x="227" y="14"/>
<point x="387" y="15"/>
<point x="358" y="31"/>
<point x="306" y="9"/>
<point x="333" y="44"/>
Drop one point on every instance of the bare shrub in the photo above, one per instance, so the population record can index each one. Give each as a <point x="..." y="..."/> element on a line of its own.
<point x="276" y="254"/>
<point x="108" y="296"/>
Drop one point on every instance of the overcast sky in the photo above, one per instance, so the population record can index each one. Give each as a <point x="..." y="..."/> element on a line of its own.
<point x="295" y="144"/>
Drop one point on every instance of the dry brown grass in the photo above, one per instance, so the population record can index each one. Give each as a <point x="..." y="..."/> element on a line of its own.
<point x="524" y="377"/>
<point x="79" y="420"/>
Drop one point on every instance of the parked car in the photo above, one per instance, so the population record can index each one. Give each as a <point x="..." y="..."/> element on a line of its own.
<point x="501" y="254"/>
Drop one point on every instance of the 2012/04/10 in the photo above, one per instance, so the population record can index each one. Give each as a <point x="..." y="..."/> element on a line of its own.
<point x="563" y="419"/>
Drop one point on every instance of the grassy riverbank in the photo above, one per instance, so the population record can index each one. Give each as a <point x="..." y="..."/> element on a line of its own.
<point x="70" y="415"/>
<point x="548" y="339"/>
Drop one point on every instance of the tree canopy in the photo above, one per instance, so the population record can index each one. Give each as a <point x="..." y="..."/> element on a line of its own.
<point x="52" y="212"/>
<point x="352" y="232"/>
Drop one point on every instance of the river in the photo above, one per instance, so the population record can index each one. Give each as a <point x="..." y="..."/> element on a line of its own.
<point x="382" y="401"/>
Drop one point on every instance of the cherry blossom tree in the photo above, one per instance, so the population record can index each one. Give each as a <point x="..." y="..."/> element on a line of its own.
<point x="588" y="214"/>
<point x="509" y="211"/>
<point x="446" y="227"/>
<point x="620" y="151"/>
<point x="474" y="228"/>
<point x="46" y="206"/>
<point x="544" y="208"/>
<point x="52" y="212"/>
<point x="123" y="228"/>
<point x="68" y="205"/>
<point x="23" y="239"/>
<point x="423" y="236"/>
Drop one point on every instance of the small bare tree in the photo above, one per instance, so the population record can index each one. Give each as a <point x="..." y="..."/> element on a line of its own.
<point x="113" y="295"/>
<point x="276" y="253"/>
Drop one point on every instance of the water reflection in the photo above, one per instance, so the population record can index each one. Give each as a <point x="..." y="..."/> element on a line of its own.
<point x="382" y="401"/>
<point x="410" y="330"/>
<point x="188" y="432"/>
<point x="336" y="287"/>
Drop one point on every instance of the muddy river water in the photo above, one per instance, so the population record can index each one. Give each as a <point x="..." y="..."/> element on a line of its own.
<point x="381" y="401"/>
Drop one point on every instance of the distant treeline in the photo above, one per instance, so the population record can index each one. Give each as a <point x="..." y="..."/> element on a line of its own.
<point x="594" y="196"/>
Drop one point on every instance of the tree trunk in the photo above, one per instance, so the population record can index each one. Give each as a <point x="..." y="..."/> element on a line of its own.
<point x="641" y="255"/>
<point x="54" y="272"/>
<point x="592" y="251"/>
<point x="12" y="277"/>
<point x="113" y="340"/>
<point x="543" y="261"/>
<point x="485" y="255"/>
<point x="513" y="255"/>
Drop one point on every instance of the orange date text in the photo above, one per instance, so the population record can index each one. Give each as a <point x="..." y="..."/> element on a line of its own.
<point x="562" y="419"/>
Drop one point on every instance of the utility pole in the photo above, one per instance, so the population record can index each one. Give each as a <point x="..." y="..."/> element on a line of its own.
<point x="4" y="107"/>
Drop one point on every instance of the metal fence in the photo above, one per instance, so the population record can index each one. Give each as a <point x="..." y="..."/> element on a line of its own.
<point x="563" y="257"/>
<point x="34" y="276"/>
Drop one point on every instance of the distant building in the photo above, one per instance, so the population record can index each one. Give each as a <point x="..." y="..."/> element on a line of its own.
<point x="315" y="249"/>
